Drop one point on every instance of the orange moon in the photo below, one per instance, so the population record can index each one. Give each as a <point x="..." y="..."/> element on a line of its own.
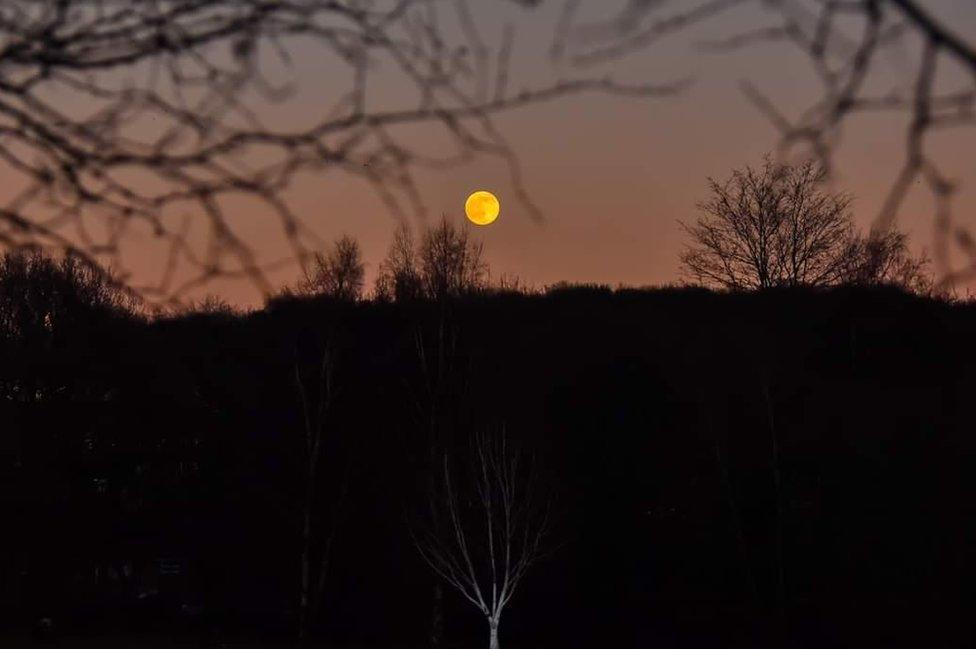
<point x="482" y="208"/>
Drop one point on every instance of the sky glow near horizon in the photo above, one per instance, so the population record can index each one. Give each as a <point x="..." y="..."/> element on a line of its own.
<point x="612" y="175"/>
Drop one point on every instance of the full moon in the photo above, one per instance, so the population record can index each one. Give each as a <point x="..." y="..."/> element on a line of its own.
<point x="482" y="208"/>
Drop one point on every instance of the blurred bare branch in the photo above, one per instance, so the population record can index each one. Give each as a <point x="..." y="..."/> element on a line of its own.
<point x="845" y="41"/>
<point x="641" y="24"/>
<point x="127" y="119"/>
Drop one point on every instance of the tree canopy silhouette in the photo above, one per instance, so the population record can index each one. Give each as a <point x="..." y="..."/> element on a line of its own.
<point x="338" y="273"/>
<point x="55" y="314"/>
<point x="779" y="225"/>
<point x="445" y="263"/>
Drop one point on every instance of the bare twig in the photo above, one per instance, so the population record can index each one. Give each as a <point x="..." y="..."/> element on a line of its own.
<point x="120" y="120"/>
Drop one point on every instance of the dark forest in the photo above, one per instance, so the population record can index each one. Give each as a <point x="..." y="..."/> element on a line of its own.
<point x="781" y="468"/>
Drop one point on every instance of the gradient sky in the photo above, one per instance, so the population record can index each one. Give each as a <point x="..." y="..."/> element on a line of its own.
<point x="613" y="175"/>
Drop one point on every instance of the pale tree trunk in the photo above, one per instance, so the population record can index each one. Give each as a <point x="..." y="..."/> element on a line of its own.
<point x="493" y="630"/>
<point x="313" y="412"/>
<point x="780" y="522"/>
<point x="437" y="617"/>
<point x="311" y="595"/>
<point x="514" y="527"/>
<point x="304" y="606"/>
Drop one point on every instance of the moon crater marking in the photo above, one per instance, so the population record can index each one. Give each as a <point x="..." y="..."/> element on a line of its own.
<point x="482" y="208"/>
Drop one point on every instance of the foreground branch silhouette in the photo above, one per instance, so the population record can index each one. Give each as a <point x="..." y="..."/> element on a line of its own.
<point x="846" y="43"/>
<point x="144" y="119"/>
<point x="848" y="46"/>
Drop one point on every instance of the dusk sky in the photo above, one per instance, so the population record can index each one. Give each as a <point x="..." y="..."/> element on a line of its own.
<point x="612" y="175"/>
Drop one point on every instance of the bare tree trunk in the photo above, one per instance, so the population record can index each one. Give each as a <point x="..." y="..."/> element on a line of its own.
<point x="740" y="537"/>
<point x="435" y="378"/>
<point x="437" y="616"/>
<point x="304" y="599"/>
<point x="318" y="594"/>
<point x="493" y="631"/>
<point x="314" y="418"/>
<point x="514" y="522"/>
<point x="780" y="515"/>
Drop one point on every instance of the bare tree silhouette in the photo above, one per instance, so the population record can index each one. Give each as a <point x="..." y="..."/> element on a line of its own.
<point x="38" y="291"/>
<point x="398" y="277"/>
<point x="338" y="273"/>
<point x="779" y="226"/>
<point x="128" y="119"/>
<point x="316" y="398"/>
<point x="846" y="43"/>
<point x="488" y="529"/>
<point x="445" y="263"/>
<point x="450" y="263"/>
<point x="45" y="304"/>
<point x="884" y="258"/>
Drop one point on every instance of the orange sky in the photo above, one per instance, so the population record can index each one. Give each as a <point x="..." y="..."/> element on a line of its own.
<point x="612" y="175"/>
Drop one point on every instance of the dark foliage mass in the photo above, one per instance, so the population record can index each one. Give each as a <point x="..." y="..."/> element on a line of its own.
<point x="730" y="470"/>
